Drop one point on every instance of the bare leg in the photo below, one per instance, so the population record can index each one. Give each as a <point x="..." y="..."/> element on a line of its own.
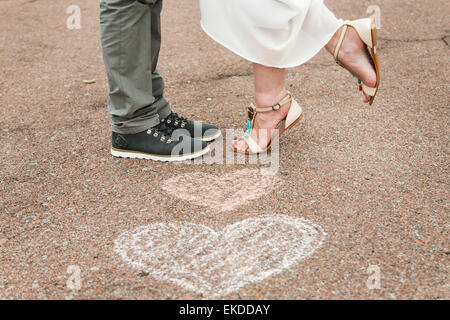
<point x="270" y="85"/>
<point x="269" y="90"/>
<point x="353" y="55"/>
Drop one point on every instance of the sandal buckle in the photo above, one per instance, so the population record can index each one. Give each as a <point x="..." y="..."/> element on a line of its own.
<point x="251" y="113"/>
<point x="340" y="64"/>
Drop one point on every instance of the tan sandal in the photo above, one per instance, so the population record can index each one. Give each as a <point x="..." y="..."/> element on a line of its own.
<point x="294" y="115"/>
<point x="367" y="31"/>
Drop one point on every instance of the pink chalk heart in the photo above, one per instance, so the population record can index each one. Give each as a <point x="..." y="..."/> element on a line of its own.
<point x="216" y="263"/>
<point x="225" y="192"/>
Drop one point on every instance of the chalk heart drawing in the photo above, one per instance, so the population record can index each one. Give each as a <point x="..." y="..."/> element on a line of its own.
<point x="224" y="192"/>
<point x="217" y="263"/>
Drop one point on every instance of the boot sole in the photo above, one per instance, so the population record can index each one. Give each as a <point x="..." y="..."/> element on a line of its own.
<point x="155" y="157"/>
<point x="210" y="138"/>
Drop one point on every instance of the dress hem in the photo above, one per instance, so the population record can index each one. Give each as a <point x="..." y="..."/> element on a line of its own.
<point x="272" y="65"/>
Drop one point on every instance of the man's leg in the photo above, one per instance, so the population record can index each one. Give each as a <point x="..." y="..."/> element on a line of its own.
<point x="131" y="39"/>
<point x="157" y="80"/>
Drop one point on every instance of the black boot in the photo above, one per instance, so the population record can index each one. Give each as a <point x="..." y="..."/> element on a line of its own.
<point x="193" y="129"/>
<point x="158" y="144"/>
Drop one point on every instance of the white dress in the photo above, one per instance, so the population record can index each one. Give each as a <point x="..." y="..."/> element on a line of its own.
<point x="275" y="33"/>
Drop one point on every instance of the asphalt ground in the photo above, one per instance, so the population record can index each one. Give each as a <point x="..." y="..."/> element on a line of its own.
<point x="357" y="209"/>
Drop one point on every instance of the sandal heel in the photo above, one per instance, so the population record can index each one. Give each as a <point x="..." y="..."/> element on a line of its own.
<point x="294" y="115"/>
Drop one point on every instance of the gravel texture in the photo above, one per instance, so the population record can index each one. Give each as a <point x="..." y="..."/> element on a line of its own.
<point x="374" y="179"/>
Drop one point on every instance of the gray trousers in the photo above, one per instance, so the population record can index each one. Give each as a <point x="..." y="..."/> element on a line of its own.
<point x="131" y="39"/>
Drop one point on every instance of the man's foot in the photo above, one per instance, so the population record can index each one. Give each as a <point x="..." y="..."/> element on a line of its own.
<point x="157" y="144"/>
<point x="355" y="57"/>
<point x="193" y="129"/>
<point x="265" y="123"/>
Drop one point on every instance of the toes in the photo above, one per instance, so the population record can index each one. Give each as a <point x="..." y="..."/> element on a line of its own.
<point x="239" y="145"/>
<point x="366" y="96"/>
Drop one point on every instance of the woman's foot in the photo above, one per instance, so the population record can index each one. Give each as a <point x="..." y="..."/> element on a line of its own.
<point x="355" y="57"/>
<point x="265" y="122"/>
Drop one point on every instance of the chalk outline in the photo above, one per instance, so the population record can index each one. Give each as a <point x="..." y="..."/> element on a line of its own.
<point x="245" y="178"/>
<point x="312" y="237"/>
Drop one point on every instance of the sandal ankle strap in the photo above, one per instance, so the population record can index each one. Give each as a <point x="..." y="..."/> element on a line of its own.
<point x="253" y="110"/>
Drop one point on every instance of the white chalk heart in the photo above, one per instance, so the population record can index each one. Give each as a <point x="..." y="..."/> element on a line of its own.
<point x="224" y="192"/>
<point x="214" y="263"/>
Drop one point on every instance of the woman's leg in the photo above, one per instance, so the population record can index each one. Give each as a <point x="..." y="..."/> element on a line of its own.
<point x="270" y="85"/>
<point x="269" y="90"/>
<point x="353" y="55"/>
